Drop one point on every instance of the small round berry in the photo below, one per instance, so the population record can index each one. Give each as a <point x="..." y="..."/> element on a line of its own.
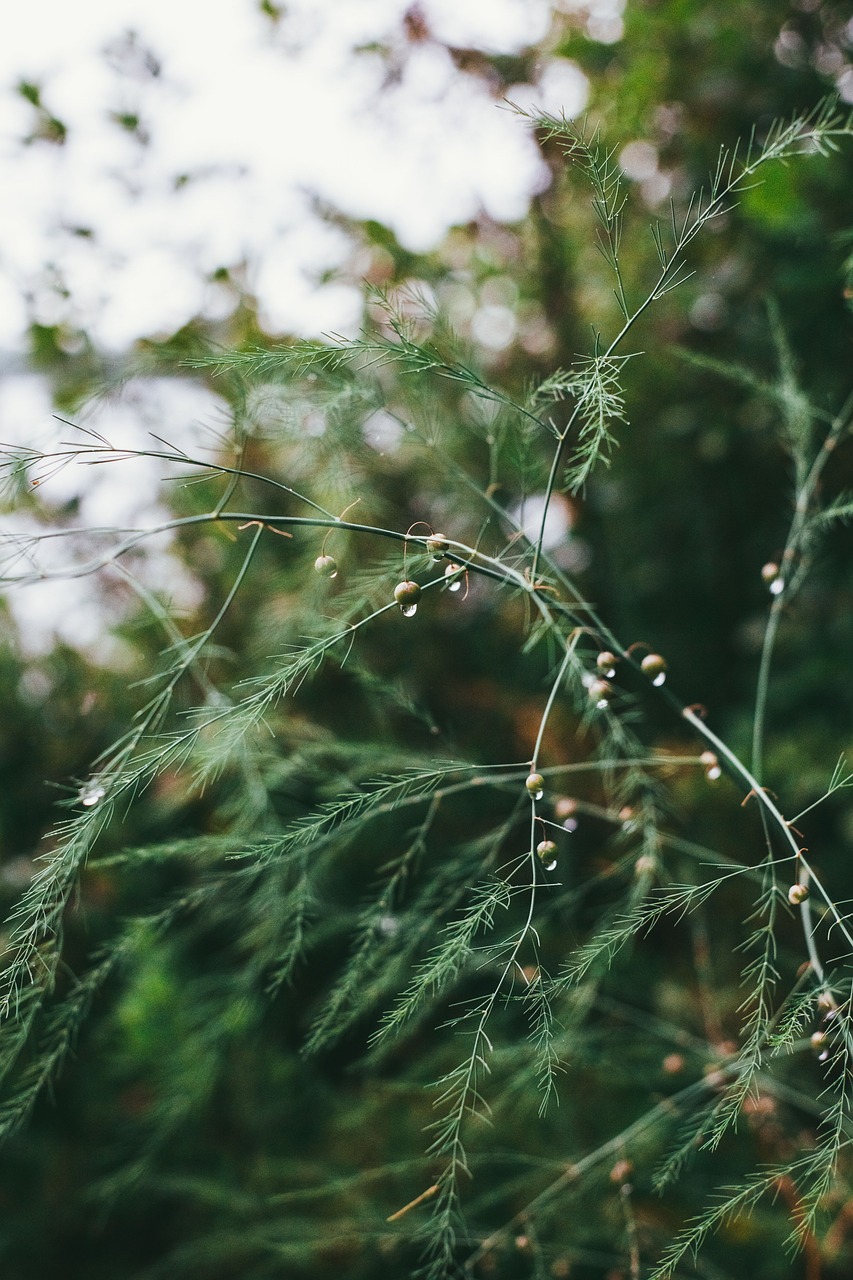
<point x="621" y="1171"/>
<point x="798" y="894"/>
<point x="711" y="765"/>
<point x="547" y="853"/>
<point x="769" y="572"/>
<point x="536" y="785"/>
<point x="601" y="691"/>
<point x="407" y="592"/>
<point x="453" y="574"/>
<point x="606" y="663"/>
<point x="437" y="546"/>
<point x="326" y="566"/>
<point x="818" y="1041"/>
<point x="653" y="666"/>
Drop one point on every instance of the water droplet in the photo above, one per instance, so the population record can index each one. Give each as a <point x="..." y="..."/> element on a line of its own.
<point x="549" y="866"/>
<point x="455" y="586"/>
<point x="713" y="773"/>
<point x="658" y="680"/>
<point x="571" y="824"/>
<point x="777" y="586"/>
<point x="92" y="795"/>
<point x="609" y="673"/>
<point x="601" y="705"/>
<point x="537" y="795"/>
<point x="333" y="575"/>
<point x="822" y="1057"/>
<point x="408" y="610"/>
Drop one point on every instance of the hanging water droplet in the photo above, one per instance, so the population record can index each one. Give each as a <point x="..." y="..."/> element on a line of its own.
<point x="601" y="705"/>
<point x="713" y="773"/>
<point x="92" y="795"/>
<point x="822" y="1057"/>
<point x="408" y="610"/>
<point x="659" y="680"/>
<point x="333" y="575"/>
<point x="452" y="571"/>
<point x="777" y="586"/>
<point x="571" y="824"/>
<point x="609" y="673"/>
<point x="549" y="866"/>
<point x="537" y="795"/>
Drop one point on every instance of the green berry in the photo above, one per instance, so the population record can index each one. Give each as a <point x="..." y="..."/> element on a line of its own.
<point x="653" y="665"/>
<point x="536" y="785"/>
<point x="437" y="546"/>
<point x="407" y="593"/>
<point x="326" y="566"/>
<point x="601" y="691"/>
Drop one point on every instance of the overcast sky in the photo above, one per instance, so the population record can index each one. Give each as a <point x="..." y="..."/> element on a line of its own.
<point x="249" y="121"/>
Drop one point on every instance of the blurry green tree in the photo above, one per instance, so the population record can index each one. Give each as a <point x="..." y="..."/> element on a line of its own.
<point x="306" y="874"/>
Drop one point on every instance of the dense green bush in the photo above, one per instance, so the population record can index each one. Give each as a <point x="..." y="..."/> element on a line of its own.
<point x="502" y="865"/>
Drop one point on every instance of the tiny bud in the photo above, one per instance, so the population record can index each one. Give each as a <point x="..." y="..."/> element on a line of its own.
<point x="798" y="894"/>
<point x="437" y="546"/>
<point x="547" y="851"/>
<point x="826" y="1002"/>
<point x="407" y="594"/>
<point x="654" y="666"/>
<point x="673" y="1063"/>
<point x="769" y="572"/>
<point x="535" y="785"/>
<point x="621" y="1171"/>
<point x="606" y="663"/>
<point x="452" y="573"/>
<point x="712" y="766"/>
<point x="601" y="691"/>
<point x="326" y="566"/>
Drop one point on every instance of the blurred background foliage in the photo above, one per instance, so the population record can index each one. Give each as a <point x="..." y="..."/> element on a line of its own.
<point x="188" y="1135"/>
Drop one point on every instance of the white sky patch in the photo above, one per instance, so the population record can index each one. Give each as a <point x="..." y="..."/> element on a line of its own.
<point x="249" y="123"/>
<point x="558" y="522"/>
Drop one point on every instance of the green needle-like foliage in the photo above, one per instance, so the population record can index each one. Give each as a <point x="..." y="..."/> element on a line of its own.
<point x="350" y="892"/>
